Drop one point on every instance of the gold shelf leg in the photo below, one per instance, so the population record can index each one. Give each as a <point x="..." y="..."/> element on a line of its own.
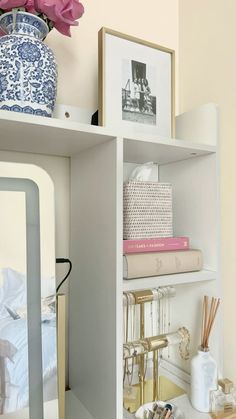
<point x="142" y="359"/>
<point x="61" y="353"/>
<point x="155" y="376"/>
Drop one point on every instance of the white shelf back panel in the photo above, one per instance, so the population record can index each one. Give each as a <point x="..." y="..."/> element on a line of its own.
<point x="195" y="204"/>
<point x="199" y="125"/>
<point x="196" y="215"/>
<point x="186" y="310"/>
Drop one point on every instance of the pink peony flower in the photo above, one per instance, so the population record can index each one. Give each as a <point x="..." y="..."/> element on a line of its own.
<point x="63" y="13"/>
<point x="10" y="4"/>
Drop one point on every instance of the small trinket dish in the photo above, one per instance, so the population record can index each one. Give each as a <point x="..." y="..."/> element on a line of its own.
<point x="158" y="410"/>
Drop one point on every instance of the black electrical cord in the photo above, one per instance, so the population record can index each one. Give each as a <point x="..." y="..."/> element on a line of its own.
<point x="62" y="260"/>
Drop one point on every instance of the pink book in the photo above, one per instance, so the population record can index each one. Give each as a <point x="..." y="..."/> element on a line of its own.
<point x="155" y="245"/>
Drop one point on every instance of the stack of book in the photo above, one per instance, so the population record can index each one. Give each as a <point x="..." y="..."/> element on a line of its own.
<point x="160" y="256"/>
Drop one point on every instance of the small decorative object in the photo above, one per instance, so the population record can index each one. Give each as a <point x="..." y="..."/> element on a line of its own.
<point x="136" y="84"/>
<point x="28" y="70"/>
<point x="223" y="400"/>
<point x="203" y="366"/>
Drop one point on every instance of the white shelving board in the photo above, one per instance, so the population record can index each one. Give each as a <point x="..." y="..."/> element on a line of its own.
<point x="164" y="280"/>
<point x="162" y="151"/>
<point x="74" y="410"/>
<point x="51" y="136"/>
<point x="184" y="404"/>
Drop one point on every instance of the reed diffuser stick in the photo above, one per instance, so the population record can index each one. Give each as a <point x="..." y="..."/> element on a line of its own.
<point x="203" y="318"/>
<point x="205" y="315"/>
<point x="216" y="307"/>
<point x="208" y="319"/>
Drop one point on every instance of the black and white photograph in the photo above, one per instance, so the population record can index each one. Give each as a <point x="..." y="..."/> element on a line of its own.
<point x="136" y="89"/>
<point x="138" y="93"/>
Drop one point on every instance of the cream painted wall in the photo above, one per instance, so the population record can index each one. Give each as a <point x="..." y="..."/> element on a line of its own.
<point x="155" y="20"/>
<point x="208" y="74"/>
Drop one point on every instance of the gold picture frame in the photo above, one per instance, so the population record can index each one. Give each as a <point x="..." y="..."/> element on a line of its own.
<point x="111" y="44"/>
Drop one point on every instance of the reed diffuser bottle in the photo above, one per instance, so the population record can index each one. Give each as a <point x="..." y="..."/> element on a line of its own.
<point x="203" y="380"/>
<point x="204" y="375"/>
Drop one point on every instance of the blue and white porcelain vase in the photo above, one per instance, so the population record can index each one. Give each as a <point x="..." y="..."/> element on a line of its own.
<point x="28" y="70"/>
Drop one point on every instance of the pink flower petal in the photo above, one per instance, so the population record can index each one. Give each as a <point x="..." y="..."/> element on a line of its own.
<point x="30" y="7"/>
<point x="63" y="28"/>
<point x="10" y="4"/>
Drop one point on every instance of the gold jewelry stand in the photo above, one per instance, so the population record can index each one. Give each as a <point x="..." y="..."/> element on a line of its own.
<point x="141" y="297"/>
<point x="61" y="352"/>
<point x="142" y="347"/>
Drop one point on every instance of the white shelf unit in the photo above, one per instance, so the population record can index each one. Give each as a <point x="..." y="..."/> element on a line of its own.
<point x="51" y="136"/>
<point x="96" y="286"/>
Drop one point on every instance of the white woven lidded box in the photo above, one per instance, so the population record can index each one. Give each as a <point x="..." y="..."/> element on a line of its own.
<point x="147" y="210"/>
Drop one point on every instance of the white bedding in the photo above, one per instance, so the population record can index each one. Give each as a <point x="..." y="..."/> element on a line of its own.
<point x="15" y="331"/>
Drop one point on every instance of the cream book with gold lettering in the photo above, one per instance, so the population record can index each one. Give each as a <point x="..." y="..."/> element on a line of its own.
<point x="140" y="265"/>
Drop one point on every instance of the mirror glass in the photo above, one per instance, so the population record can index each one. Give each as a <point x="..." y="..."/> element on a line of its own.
<point x="28" y="339"/>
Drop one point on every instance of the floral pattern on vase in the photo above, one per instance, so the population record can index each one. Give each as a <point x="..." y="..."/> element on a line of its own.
<point x="28" y="70"/>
